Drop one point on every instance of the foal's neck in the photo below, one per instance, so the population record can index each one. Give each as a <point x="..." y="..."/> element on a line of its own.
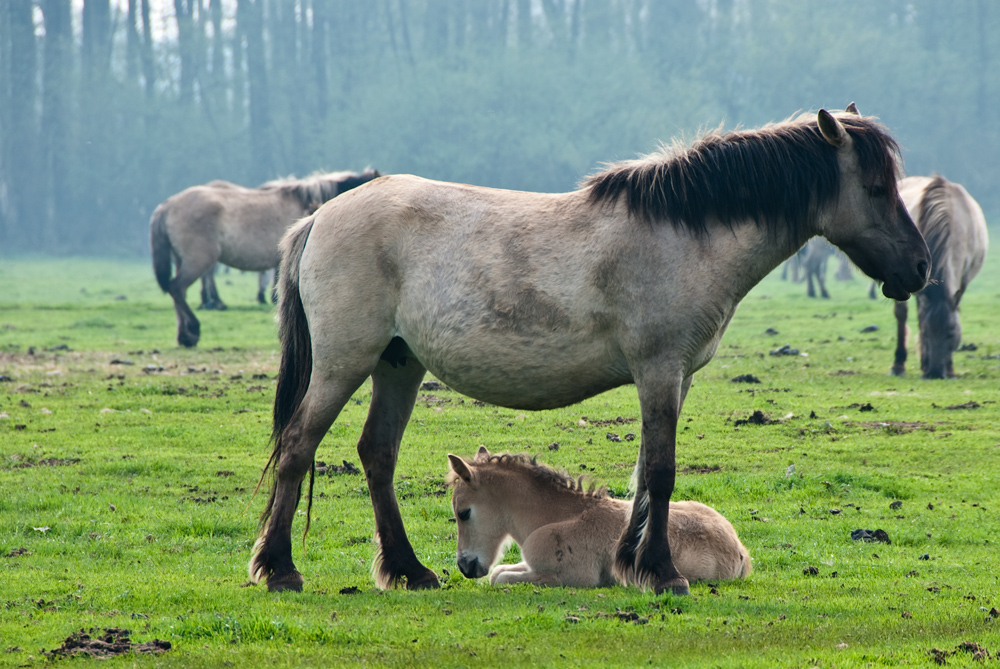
<point x="531" y="505"/>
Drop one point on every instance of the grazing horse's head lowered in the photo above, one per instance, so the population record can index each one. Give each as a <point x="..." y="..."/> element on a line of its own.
<point x="953" y="224"/>
<point x="539" y="300"/>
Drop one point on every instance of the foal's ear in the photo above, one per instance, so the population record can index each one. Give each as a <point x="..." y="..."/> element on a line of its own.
<point x="482" y="455"/>
<point x="831" y="128"/>
<point x="460" y="467"/>
<point x="853" y="109"/>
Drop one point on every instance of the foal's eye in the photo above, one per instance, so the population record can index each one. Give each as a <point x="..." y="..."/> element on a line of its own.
<point x="464" y="515"/>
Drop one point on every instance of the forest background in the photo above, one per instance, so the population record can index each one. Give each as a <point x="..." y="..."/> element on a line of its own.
<point x="107" y="107"/>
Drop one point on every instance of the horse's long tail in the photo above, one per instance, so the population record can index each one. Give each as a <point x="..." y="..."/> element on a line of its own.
<point x="159" y="241"/>
<point x="296" y="349"/>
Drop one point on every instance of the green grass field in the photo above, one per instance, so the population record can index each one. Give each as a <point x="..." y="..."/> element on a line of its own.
<point x="128" y="467"/>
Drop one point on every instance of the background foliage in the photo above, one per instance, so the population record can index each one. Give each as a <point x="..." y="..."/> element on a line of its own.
<point x="107" y="107"/>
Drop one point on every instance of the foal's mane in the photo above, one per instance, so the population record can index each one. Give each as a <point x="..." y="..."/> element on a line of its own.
<point x="778" y="175"/>
<point x="934" y="221"/>
<point x="539" y="473"/>
<point x="318" y="187"/>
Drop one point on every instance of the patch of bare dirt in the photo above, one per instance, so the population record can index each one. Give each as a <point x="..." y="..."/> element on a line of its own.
<point x="103" y="643"/>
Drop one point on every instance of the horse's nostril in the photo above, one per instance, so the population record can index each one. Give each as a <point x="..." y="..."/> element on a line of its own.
<point x="922" y="268"/>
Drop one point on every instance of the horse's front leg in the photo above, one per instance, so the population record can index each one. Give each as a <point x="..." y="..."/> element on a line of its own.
<point x="643" y="553"/>
<point x="394" y="391"/>
<point x="899" y="364"/>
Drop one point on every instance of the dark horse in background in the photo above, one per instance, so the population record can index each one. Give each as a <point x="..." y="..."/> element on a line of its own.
<point x="955" y="229"/>
<point x="541" y="300"/>
<point x="221" y="222"/>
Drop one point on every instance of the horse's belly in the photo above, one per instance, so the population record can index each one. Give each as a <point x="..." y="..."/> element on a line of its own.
<point x="522" y="375"/>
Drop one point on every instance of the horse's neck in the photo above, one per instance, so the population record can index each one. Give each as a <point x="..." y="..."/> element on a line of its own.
<point x="743" y="256"/>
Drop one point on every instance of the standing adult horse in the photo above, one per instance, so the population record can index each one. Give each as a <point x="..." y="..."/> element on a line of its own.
<point x="955" y="229"/>
<point x="237" y="226"/>
<point x="537" y="301"/>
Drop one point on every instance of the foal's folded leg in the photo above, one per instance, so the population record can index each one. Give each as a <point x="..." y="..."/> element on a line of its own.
<point x="502" y="572"/>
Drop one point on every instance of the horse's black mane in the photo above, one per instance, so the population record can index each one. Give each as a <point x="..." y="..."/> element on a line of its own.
<point x="777" y="176"/>
<point x="545" y="475"/>
<point x="319" y="187"/>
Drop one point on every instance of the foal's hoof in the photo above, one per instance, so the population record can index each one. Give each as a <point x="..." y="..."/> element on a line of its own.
<point x="428" y="581"/>
<point x="677" y="586"/>
<point x="291" y="581"/>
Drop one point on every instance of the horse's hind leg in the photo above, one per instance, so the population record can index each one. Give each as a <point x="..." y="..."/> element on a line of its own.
<point x="272" y="558"/>
<point x="899" y="364"/>
<point x="209" y="291"/>
<point x="262" y="280"/>
<point x="188" y="327"/>
<point x="394" y="391"/>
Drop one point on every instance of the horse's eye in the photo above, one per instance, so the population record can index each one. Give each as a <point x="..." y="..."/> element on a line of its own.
<point x="464" y="515"/>
<point x="878" y="191"/>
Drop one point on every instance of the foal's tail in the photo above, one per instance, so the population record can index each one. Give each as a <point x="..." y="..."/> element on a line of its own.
<point x="159" y="240"/>
<point x="296" y="350"/>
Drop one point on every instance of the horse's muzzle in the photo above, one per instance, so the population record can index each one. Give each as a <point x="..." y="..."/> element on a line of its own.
<point x="471" y="567"/>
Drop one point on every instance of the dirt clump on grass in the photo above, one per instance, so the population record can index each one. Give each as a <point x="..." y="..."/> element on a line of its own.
<point x="103" y="643"/>
<point x="756" y="418"/>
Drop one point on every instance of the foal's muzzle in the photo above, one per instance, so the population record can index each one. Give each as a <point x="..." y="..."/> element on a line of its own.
<point x="471" y="567"/>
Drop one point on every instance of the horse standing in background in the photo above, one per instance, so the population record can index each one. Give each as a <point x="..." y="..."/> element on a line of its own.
<point x="222" y="222"/>
<point x="541" y="300"/>
<point x="955" y="229"/>
<point x="813" y="258"/>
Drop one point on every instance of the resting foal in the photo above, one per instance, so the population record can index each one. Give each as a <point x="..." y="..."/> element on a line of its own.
<point x="567" y="534"/>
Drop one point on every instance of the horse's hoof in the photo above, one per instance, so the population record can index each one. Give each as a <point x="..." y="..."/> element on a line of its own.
<point x="187" y="341"/>
<point x="897" y="371"/>
<point x="678" y="586"/>
<point x="291" y="581"/>
<point x="429" y="581"/>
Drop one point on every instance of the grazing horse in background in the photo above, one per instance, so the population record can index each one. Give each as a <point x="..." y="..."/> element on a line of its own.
<point x="541" y="300"/>
<point x="955" y="229"/>
<point x="222" y="222"/>
<point x="567" y="533"/>
<point x="813" y="257"/>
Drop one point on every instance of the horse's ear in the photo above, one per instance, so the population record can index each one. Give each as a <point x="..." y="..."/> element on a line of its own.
<point x="460" y="467"/>
<point x="853" y="109"/>
<point x="831" y="128"/>
<point x="482" y="455"/>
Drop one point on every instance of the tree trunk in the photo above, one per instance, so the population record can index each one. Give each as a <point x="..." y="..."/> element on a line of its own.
<point x="18" y="127"/>
<point x="250" y="16"/>
<point x="56" y="116"/>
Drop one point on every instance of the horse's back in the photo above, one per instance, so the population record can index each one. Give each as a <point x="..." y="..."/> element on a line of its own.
<point x="958" y="217"/>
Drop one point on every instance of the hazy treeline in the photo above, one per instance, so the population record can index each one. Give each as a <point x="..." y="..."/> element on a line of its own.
<point x="109" y="106"/>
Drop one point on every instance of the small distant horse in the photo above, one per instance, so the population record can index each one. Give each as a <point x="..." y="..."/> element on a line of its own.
<point x="955" y="229"/>
<point x="540" y="300"/>
<point x="567" y="533"/>
<point x="813" y="258"/>
<point x="237" y="226"/>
